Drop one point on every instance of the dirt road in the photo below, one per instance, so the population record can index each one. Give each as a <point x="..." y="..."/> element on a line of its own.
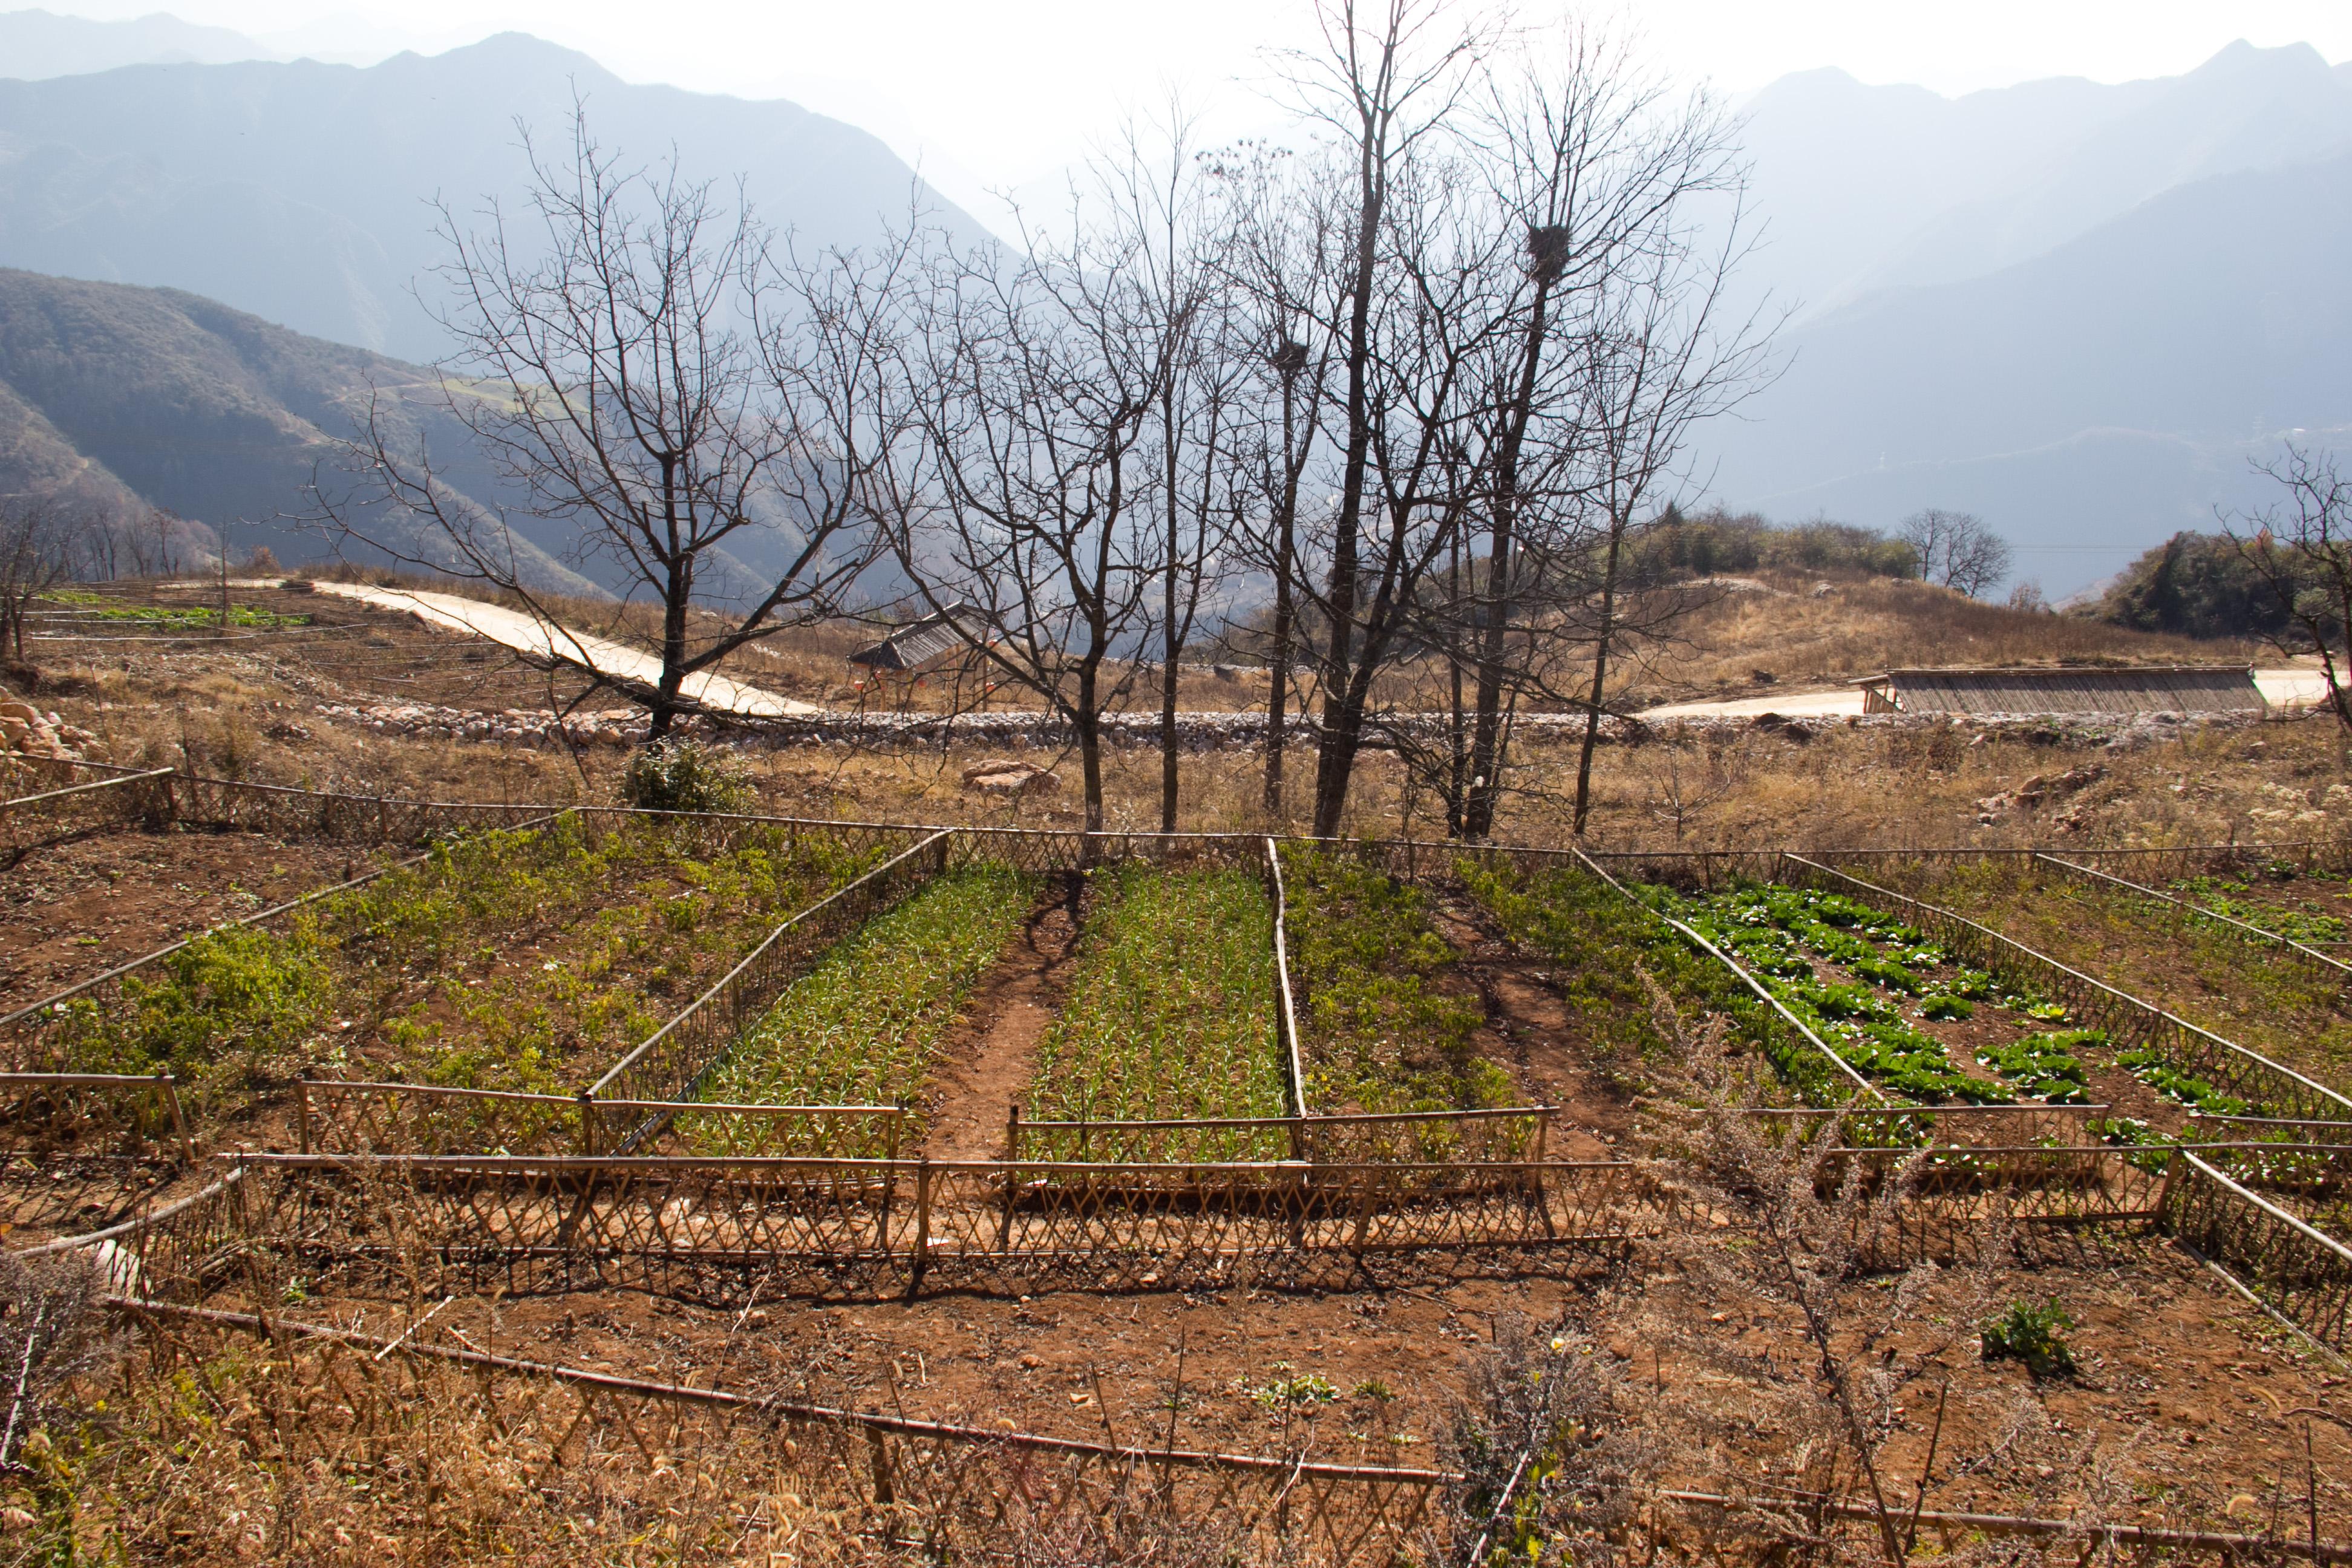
<point x="527" y="635"/>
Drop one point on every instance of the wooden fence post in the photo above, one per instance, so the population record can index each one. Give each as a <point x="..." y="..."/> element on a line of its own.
<point x="1012" y="1132"/>
<point x="923" y="1227"/>
<point x="588" y="1138"/>
<point x="171" y="1088"/>
<point x="302" y="1113"/>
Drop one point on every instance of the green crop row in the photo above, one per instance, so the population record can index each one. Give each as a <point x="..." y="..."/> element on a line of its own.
<point x="1604" y="943"/>
<point x="1172" y="1011"/>
<point x="862" y="1027"/>
<point x="2218" y="895"/>
<point x="1775" y="931"/>
<point x="403" y="978"/>
<point x="1377" y="1035"/>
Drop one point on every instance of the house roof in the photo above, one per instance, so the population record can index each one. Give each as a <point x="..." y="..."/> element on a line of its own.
<point x="2161" y="688"/>
<point x="920" y="641"/>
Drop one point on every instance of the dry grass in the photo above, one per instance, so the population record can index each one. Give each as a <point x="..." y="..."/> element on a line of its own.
<point x="1865" y="625"/>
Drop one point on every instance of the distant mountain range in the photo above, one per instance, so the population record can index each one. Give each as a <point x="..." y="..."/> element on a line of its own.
<point x="141" y="398"/>
<point x="2077" y="310"/>
<point x="302" y="192"/>
<point x="37" y="44"/>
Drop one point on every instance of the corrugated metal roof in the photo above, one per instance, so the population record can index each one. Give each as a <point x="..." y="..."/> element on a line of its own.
<point x="920" y="641"/>
<point x="2174" y="688"/>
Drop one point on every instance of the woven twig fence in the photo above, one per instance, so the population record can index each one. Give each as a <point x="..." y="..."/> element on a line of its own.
<point x="337" y="1117"/>
<point x="1479" y="1137"/>
<point x="956" y="1491"/>
<point x="2334" y="969"/>
<point x="1804" y="1518"/>
<point x="81" y="1151"/>
<point x="713" y="1230"/>
<point x="671" y="1064"/>
<point x="51" y="814"/>
<point x="1961" y="1126"/>
<point x="1956" y="1200"/>
<point x="2297" y="1271"/>
<point x="2130" y="1022"/>
<point x="179" y="1250"/>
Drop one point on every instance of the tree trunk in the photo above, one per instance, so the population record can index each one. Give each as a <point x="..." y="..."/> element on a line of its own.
<point x="1600" y="674"/>
<point x="1087" y="723"/>
<point x="1487" y="745"/>
<point x="1336" y="756"/>
<point x="1285" y="612"/>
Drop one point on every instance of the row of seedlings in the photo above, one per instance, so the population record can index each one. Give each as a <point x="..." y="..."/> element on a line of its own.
<point x="519" y="960"/>
<point x="1172" y="1015"/>
<point x="1389" y="1027"/>
<point x="864" y="1025"/>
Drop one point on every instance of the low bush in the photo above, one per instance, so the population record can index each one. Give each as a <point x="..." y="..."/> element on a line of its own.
<point x="2033" y="1335"/>
<point x="684" y="775"/>
<point x="242" y="999"/>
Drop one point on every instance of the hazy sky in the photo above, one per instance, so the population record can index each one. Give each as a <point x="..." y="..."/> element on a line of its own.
<point x="1002" y="91"/>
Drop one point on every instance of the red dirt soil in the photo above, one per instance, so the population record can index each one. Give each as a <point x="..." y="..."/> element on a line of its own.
<point x="985" y="1065"/>
<point x="80" y="906"/>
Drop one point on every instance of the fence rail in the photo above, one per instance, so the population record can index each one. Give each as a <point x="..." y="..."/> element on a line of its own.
<point x="338" y="1116"/>
<point x="1286" y="1016"/>
<point x="2249" y="1076"/>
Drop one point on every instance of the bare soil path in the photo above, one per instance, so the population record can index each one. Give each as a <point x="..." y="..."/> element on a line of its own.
<point x="986" y="1061"/>
<point x="1528" y="1032"/>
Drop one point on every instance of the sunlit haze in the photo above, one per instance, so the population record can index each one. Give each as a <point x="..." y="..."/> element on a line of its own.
<point x="998" y="95"/>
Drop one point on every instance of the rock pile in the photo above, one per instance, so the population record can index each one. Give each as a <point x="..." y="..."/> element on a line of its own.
<point x="1001" y="775"/>
<point x="2038" y="790"/>
<point x="538" y="728"/>
<point x="29" y="733"/>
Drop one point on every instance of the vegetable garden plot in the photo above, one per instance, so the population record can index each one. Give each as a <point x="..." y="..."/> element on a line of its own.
<point x="1378" y="1032"/>
<point x="512" y="960"/>
<point x="2245" y="991"/>
<point x="1172" y="1010"/>
<point x="1899" y="1009"/>
<point x="1604" y="943"/>
<point x="863" y="1025"/>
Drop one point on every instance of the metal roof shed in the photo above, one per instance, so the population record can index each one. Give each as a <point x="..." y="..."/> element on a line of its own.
<point x="2166" y="688"/>
<point x="918" y="642"/>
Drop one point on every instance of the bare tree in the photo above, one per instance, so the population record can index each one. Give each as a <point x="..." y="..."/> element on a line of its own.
<point x="1027" y="494"/>
<point x="35" y="557"/>
<point x="1601" y="172"/>
<point x="1387" y="77"/>
<point x="1277" y="256"/>
<point x="2302" y="550"/>
<point x="615" y="369"/>
<point x="1957" y="550"/>
<point x="1660" y="363"/>
<point x="1159" y="202"/>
